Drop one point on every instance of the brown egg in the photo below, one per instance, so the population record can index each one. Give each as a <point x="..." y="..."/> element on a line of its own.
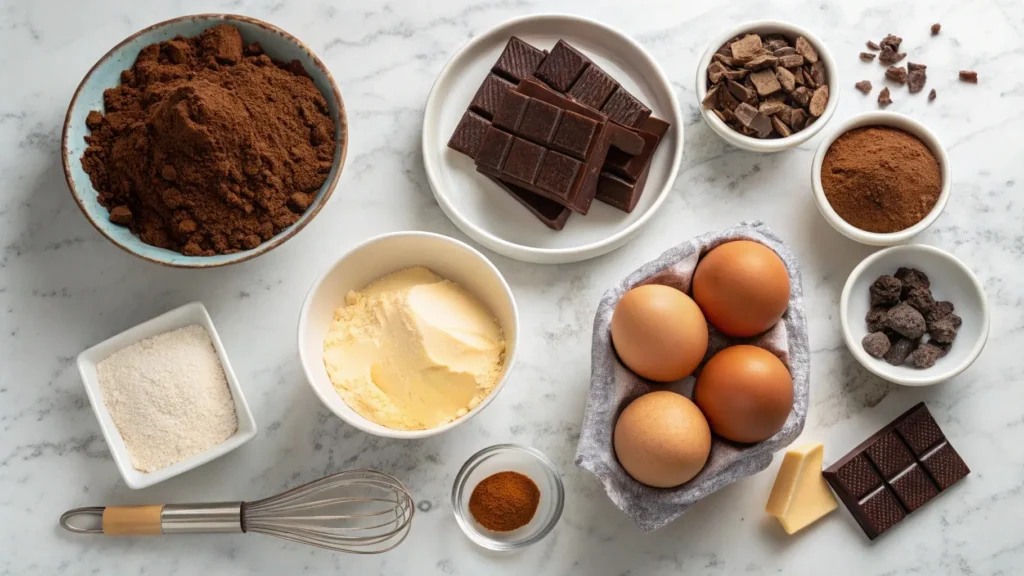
<point x="742" y="287"/>
<point x="659" y="333"/>
<point x="745" y="392"/>
<point x="662" y="439"/>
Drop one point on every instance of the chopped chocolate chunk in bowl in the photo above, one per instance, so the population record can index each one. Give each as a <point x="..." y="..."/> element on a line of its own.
<point x="914" y="315"/>
<point x="767" y="86"/>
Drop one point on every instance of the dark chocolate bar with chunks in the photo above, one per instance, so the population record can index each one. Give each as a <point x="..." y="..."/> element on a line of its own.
<point x="468" y="137"/>
<point x="544" y="142"/>
<point x="896" y="471"/>
<point x="568" y="71"/>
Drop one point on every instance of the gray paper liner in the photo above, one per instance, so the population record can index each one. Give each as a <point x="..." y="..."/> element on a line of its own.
<point x="612" y="386"/>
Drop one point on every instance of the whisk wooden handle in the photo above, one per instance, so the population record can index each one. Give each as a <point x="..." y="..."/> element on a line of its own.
<point x="132" y="520"/>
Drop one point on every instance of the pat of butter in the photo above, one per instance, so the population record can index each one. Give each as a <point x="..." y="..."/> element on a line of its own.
<point x="800" y="495"/>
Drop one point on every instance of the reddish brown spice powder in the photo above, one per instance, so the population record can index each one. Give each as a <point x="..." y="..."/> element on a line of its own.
<point x="504" y="501"/>
<point x="208" y="146"/>
<point x="881" y="179"/>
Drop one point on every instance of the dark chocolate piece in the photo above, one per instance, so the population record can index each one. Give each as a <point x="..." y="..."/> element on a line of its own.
<point x="550" y="213"/>
<point x="623" y="186"/>
<point x="593" y="87"/>
<point x="864" y="86"/>
<point x="494" y="149"/>
<point x="867" y="56"/>
<point x="883" y="97"/>
<point x="935" y="28"/>
<point x="489" y="95"/>
<point x="969" y="76"/>
<point x="518" y="61"/>
<point x="623" y="108"/>
<point x="897" y="470"/>
<point x="562" y="66"/>
<point x="469" y="134"/>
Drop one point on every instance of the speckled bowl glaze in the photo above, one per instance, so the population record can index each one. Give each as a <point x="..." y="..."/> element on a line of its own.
<point x="277" y="43"/>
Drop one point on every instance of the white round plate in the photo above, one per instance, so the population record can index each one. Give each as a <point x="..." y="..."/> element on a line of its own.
<point x="491" y="216"/>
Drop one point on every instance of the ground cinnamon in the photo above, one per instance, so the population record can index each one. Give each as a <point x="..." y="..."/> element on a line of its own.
<point x="881" y="179"/>
<point x="208" y="146"/>
<point x="504" y="501"/>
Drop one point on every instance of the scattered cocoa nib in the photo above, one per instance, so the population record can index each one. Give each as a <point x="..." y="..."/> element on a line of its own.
<point x="867" y="56"/>
<point x="916" y="80"/>
<point x="883" y="97"/>
<point x="864" y="86"/>
<point x="897" y="74"/>
<point x="969" y="76"/>
<point x="935" y="29"/>
<point x="121" y="215"/>
<point x="931" y="95"/>
<point x="767" y="86"/>
<point x="892" y="41"/>
<point x="873" y="46"/>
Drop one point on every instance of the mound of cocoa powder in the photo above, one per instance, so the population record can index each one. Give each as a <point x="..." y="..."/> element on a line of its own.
<point x="209" y="146"/>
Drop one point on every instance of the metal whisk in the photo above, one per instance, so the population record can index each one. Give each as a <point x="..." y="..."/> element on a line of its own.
<point x="359" y="511"/>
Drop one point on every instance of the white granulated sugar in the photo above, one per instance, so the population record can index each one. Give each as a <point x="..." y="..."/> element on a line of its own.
<point x="168" y="396"/>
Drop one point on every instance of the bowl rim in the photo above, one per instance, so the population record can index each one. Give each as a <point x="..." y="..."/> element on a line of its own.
<point x="358" y="421"/>
<point x="749" y="142"/>
<point x="459" y="485"/>
<point x="553" y="255"/>
<point x="895" y="120"/>
<point x="278" y="239"/>
<point x="873" y="364"/>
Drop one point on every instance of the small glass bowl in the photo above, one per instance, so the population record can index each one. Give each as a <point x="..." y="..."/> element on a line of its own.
<point x="512" y="458"/>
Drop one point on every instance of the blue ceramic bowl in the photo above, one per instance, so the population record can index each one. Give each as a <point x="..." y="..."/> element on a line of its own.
<point x="277" y="43"/>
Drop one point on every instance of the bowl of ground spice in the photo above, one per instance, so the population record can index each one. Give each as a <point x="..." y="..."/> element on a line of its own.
<point x="507" y="497"/>
<point x="204" y="141"/>
<point x="881" y="178"/>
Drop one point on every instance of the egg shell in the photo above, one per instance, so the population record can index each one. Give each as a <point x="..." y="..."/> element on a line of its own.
<point x="742" y="287"/>
<point x="659" y="333"/>
<point x="662" y="439"/>
<point x="745" y="392"/>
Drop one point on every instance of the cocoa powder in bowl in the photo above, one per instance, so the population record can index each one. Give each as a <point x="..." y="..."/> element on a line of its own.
<point x="881" y="179"/>
<point x="208" y="146"/>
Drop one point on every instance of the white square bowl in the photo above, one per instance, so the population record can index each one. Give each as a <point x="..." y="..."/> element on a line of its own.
<point x="193" y="313"/>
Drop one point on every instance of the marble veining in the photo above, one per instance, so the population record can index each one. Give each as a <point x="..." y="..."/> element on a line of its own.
<point x="63" y="288"/>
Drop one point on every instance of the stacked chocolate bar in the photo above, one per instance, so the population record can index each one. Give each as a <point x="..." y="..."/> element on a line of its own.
<point x="555" y="131"/>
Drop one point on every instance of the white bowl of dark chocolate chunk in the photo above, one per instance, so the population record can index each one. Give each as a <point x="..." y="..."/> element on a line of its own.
<point x="776" y="91"/>
<point x="914" y="315"/>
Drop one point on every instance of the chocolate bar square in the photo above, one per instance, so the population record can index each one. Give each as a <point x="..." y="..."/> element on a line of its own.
<point x="539" y="121"/>
<point x="945" y="466"/>
<point x="625" y="109"/>
<point x="510" y="110"/>
<point x="562" y="67"/>
<point x="488" y="96"/>
<point x="881" y="512"/>
<point x="593" y="87"/>
<point x="524" y="161"/>
<point x="889" y="455"/>
<point x="494" y="149"/>
<point x="518" y="61"/>
<point x="557" y="173"/>
<point x="912" y="460"/>
<point x="913" y="488"/>
<point x="574" y="134"/>
<point x="469" y="134"/>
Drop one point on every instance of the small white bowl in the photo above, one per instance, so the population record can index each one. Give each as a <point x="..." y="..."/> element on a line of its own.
<point x="881" y="119"/>
<point x="790" y="31"/>
<point x="950" y="280"/>
<point x="378" y="257"/>
<point x="193" y="313"/>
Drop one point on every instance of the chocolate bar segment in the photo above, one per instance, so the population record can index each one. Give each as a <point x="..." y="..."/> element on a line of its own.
<point x="562" y="66"/>
<point x="518" y="61"/>
<point x="625" y="175"/>
<point x="896" y="471"/>
<point x="489" y="95"/>
<point x="593" y="87"/>
<point x="469" y="134"/>
<point x="624" y="108"/>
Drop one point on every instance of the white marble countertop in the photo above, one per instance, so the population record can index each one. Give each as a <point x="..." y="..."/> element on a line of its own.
<point x="63" y="288"/>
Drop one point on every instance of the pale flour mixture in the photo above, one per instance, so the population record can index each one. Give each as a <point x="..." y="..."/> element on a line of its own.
<point x="168" y="396"/>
